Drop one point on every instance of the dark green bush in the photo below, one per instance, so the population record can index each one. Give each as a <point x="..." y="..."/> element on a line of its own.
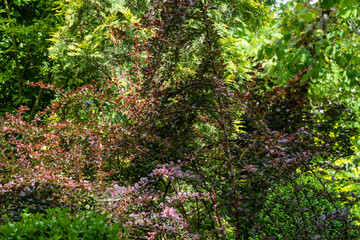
<point x="304" y="212"/>
<point x="60" y="224"/>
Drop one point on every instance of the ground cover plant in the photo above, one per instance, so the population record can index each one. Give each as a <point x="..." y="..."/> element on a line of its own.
<point x="179" y="141"/>
<point x="59" y="224"/>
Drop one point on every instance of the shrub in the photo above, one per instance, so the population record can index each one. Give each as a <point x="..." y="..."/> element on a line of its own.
<point x="59" y="224"/>
<point x="303" y="211"/>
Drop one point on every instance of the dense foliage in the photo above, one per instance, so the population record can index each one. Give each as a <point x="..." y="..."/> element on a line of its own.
<point x="57" y="224"/>
<point x="24" y="28"/>
<point x="193" y="120"/>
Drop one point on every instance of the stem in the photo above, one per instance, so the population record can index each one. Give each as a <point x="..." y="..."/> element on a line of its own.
<point x="35" y="106"/>
<point x="213" y="198"/>
<point x="182" y="206"/>
<point x="222" y="123"/>
<point x="352" y="23"/>
<point x="323" y="20"/>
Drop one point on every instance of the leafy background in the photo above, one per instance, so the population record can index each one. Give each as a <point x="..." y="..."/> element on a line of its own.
<point x="191" y="119"/>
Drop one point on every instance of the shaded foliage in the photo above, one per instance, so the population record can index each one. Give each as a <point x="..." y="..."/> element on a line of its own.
<point x="25" y="27"/>
<point x="171" y="149"/>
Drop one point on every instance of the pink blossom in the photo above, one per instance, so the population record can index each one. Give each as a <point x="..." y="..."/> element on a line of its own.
<point x="170" y="212"/>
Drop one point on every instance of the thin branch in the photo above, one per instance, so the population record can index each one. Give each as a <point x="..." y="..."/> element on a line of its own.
<point x="351" y="25"/>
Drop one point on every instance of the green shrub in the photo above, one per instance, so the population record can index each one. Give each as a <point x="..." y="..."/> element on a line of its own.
<point x="60" y="224"/>
<point x="289" y="208"/>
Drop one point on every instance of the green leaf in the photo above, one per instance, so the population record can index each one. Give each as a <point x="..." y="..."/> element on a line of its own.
<point x="269" y="52"/>
<point x="327" y="4"/>
<point x="15" y="13"/>
<point x="329" y="50"/>
<point x="353" y="74"/>
<point x="346" y="3"/>
<point x="303" y="58"/>
<point x="280" y="53"/>
<point x="308" y="16"/>
<point x="287" y="37"/>
<point x="346" y="12"/>
<point x="348" y="57"/>
<point x="299" y="6"/>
